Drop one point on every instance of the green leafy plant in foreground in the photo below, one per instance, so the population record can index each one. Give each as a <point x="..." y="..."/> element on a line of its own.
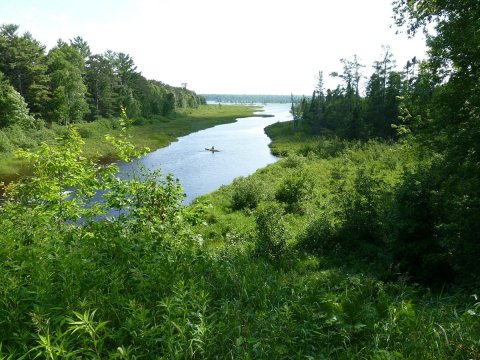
<point x="67" y="263"/>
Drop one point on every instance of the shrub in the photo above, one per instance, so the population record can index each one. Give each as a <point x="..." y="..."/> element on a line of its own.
<point x="19" y="138"/>
<point x="325" y="147"/>
<point x="319" y="237"/>
<point x="414" y="239"/>
<point x="100" y="126"/>
<point x="294" y="190"/>
<point x="13" y="108"/>
<point x="42" y="134"/>
<point x="5" y="144"/>
<point x="271" y="231"/>
<point x="139" y="121"/>
<point x="293" y="161"/>
<point x="247" y="193"/>
<point x="359" y="204"/>
<point x="86" y="130"/>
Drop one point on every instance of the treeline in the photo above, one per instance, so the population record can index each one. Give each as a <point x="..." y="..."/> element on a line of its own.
<point x="347" y="112"/>
<point x="432" y="106"/>
<point x="69" y="84"/>
<point x="250" y="99"/>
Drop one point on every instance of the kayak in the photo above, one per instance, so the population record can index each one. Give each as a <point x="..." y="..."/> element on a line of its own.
<point x="212" y="150"/>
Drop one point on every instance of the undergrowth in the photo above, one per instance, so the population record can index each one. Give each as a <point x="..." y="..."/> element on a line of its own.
<point x="216" y="280"/>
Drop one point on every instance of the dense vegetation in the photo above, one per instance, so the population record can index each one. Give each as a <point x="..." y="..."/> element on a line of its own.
<point x="432" y="105"/>
<point x="313" y="264"/>
<point x="68" y="84"/>
<point x="360" y="244"/>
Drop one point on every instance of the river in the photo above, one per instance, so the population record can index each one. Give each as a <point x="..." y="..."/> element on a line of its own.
<point x="243" y="148"/>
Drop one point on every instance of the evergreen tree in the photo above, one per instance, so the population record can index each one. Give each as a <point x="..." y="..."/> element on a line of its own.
<point x="383" y="89"/>
<point x="23" y="63"/>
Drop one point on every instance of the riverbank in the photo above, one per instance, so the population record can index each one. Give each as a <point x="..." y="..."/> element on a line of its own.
<point x="153" y="133"/>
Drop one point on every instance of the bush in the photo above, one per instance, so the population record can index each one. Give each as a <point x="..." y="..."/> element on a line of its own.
<point x="319" y="237"/>
<point x="86" y="130"/>
<point x="247" y="193"/>
<point x="360" y="205"/>
<point x="294" y="190"/>
<point x="97" y="127"/>
<point x="294" y="161"/>
<point x="42" y="134"/>
<point x="271" y="231"/>
<point x="325" y="147"/>
<point x="19" y="138"/>
<point x="414" y="239"/>
<point x="139" y="121"/>
<point x="5" y="144"/>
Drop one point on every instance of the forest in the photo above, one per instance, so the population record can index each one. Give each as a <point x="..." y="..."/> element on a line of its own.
<point x="360" y="243"/>
<point x="40" y="90"/>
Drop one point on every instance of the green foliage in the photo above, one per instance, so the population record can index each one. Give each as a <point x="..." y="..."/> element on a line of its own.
<point x="13" y="109"/>
<point x="101" y="82"/>
<point x="360" y="206"/>
<point x="20" y="138"/>
<point x="272" y="234"/>
<point x="144" y="284"/>
<point x="70" y="83"/>
<point x="100" y="126"/>
<point x="59" y="171"/>
<point x="442" y="111"/>
<point x="294" y="190"/>
<point x="5" y="145"/>
<point x="65" y="68"/>
<point x="324" y="295"/>
<point x="246" y="194"/>
<point x="23" y="63"/>
<point x="78" y="282"/>
<point x="320" y="237"/>
<point x="70" y="256"/>
<point x="344" y="112"/>
<point x="293" y="161"/>
<point x="412" y="230"/>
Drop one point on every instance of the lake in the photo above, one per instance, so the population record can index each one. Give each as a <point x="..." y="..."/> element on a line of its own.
<point x="243" y="148"/>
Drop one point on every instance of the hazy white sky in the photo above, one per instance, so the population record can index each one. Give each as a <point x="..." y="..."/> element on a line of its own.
<point x="224" y="46"/>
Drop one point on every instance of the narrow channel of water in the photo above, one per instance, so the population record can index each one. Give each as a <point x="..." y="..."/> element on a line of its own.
<point x="243" y="149"/>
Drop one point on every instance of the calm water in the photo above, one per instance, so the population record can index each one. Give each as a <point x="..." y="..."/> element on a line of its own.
<point x="243" y="149"/>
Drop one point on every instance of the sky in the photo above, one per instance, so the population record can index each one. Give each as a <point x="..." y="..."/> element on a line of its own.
<point x="224" y="46"/>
